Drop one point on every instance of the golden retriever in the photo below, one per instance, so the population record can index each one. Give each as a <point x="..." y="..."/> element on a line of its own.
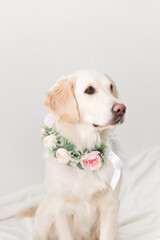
<point x="80" y="204"/>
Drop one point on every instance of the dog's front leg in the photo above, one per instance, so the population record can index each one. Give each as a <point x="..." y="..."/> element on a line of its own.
<point x="108" y="217"/>
<point x="63" y="226"/>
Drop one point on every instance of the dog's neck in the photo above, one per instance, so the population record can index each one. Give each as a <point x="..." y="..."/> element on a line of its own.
<point x="82" y="135"/>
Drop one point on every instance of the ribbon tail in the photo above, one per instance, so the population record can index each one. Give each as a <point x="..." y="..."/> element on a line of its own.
<point x="117" y="165"/>
<point x="115" y="178"/>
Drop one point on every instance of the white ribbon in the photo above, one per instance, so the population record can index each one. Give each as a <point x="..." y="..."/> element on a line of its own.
<point x="117" y="165"/>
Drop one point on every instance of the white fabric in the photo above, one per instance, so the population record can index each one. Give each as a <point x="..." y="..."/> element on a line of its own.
<point x="11" y="228"/>
<point x="117" y="165"/>
<point x="139" y="217"/>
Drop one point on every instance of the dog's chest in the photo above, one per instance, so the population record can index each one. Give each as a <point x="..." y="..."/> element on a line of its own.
<point x="84" y="216"/>
<point x="64" y="181"/>
<point x="74" y="191"/>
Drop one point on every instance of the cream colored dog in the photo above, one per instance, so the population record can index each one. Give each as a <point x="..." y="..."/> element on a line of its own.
<point x="80" y="204"/>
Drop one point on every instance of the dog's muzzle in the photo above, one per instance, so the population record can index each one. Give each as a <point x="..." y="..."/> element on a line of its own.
<point x="118" y="111"/>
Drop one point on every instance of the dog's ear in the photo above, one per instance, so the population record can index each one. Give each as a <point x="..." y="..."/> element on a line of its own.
<point x="62" y="101"/>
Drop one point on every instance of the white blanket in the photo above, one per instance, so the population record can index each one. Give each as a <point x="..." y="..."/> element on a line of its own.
<point x="139" y="217"/>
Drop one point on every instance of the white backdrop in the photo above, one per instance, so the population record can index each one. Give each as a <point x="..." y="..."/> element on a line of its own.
<point x="42" y="40"/>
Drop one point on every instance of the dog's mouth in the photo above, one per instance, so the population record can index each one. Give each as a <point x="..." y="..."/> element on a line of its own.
<point x="115" y="120"/>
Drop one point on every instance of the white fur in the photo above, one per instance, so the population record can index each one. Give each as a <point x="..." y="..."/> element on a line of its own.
<point x="80" y="204"/>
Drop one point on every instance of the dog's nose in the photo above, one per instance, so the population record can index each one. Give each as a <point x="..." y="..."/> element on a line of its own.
<point x="119" y="109"/>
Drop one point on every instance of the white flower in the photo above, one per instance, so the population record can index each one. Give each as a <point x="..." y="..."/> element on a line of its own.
<point x="63" y="155"/>
<point x="50" y="141"/>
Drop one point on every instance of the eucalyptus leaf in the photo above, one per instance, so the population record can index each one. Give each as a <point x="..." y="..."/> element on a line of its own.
<point x="69" y="147"/>
<point x="80" y="166"/>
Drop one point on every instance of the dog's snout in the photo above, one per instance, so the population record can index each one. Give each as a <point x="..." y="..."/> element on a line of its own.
<point x="119" y="109"/>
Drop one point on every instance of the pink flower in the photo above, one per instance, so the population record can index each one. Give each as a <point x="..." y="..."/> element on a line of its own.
<point x="50" y="120"/>
<point x="63" y="155"/>
<point x="50" y="141"/>
<point x="91" y="160"/>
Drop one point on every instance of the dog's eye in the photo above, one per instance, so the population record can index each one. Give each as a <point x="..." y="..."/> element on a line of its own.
<point x="90" y="90"/>
<point x="111" y="87"/>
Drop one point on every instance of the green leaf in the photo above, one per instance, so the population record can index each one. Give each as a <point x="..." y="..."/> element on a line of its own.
<point x="69" y="147"/>
<point x="51" y="152"/>
<point x="45" y="127"/>
<point x="58" y="137"/>
<point x="101" y="147"/>
<point x="70" y="163"/>
<point x="80" y="166"/>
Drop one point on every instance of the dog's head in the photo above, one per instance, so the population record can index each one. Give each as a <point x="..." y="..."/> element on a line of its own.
<point x="87" y="97"/>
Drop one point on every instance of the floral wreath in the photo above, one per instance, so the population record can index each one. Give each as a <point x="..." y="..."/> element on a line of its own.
<point x="66" y="152"/>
